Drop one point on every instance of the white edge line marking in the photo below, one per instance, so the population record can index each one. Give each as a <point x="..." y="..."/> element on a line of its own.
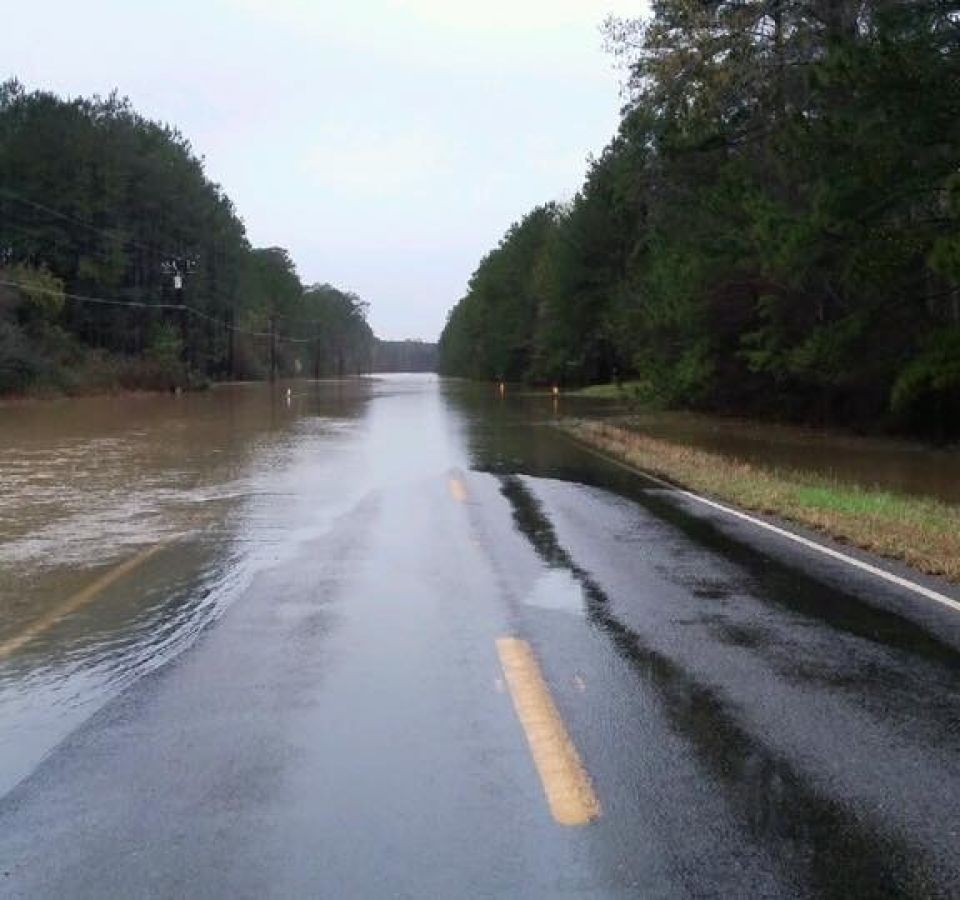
<point x="806" y="542"/>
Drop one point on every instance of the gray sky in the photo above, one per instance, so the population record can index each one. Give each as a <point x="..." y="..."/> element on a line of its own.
<point x="388" y="144"/>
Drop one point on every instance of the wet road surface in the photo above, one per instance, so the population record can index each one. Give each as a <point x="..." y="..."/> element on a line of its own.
<point x="264" y="650"/>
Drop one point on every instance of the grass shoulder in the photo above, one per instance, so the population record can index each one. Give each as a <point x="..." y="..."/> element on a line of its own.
<point x="625" y="390"/>
<point x="923" y="532"/>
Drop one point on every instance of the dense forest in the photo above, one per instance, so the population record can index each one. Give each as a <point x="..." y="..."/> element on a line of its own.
<point x="404" y="356"/>
<point x="122" y="265"/>
<point x="774" y="230"/>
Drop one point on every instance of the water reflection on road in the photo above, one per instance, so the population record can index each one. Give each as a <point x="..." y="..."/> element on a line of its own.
<point x="221" y="483"/>
<point x="755" y="721"/>
<point x="86" y="485"/>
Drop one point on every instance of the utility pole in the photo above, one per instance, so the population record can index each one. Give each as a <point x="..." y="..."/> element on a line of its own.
<point x="177" y="268"/>
<point x="273" y="348"/>
<point x="178" y="290"/>
<point x="230" y="339"/>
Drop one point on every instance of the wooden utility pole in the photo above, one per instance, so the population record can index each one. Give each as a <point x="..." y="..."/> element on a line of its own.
<point x="230" y="349"/>
<point x="178" y="286"/>
<point x="273" y="348"/>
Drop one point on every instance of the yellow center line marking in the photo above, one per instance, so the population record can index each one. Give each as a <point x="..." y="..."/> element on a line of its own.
<point x="565" y="781"/>
<point x="457" y="490"/>
<point x="77" y="601"/>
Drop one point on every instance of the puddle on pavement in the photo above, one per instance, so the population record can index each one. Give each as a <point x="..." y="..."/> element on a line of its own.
<point x="557" y="590"/>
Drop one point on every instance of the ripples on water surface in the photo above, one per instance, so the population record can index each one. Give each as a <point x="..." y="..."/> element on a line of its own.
<point x="86" y="485"/>
<point x="229" y="481"/>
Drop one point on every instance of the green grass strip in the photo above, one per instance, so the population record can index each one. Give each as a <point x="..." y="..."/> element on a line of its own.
<point x="922" y="532"/>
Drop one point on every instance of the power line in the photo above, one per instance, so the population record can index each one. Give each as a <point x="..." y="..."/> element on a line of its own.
<point x="215" y="291"/>
<point x="218" y="293"/>
<point x="140" y="304"/>
<point x="113" y="236"/>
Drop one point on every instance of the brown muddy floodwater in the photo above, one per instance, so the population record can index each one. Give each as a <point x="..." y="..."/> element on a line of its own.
<point x="897" y="466"/>
<point x="87" y="485"/>
<point x="129" y="523"/>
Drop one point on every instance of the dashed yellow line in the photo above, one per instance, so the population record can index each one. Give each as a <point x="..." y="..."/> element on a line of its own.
<point x="457" y="490"/>
<point x="77" y="601"/>
<point x="565" y="782"/>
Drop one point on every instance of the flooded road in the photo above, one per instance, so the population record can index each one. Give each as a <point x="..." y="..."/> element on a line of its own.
<point x="900" y="467"/>
<point x="254" y="644"/>
<point x="186" y="482"/>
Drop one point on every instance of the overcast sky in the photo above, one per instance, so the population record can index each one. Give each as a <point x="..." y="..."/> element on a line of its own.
<point x="388" y="144"/>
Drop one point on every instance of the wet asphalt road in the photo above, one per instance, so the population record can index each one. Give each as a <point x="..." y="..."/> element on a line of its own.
<point x="756" y="720"/>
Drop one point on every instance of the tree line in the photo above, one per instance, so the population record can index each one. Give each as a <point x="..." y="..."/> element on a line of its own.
<point x="122" y="264"/>
<point x="404" y="356"/>
<point x="774" y="230"/>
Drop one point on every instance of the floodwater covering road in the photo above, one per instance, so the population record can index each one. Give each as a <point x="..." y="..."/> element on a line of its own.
<point x="397" y="637"/>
